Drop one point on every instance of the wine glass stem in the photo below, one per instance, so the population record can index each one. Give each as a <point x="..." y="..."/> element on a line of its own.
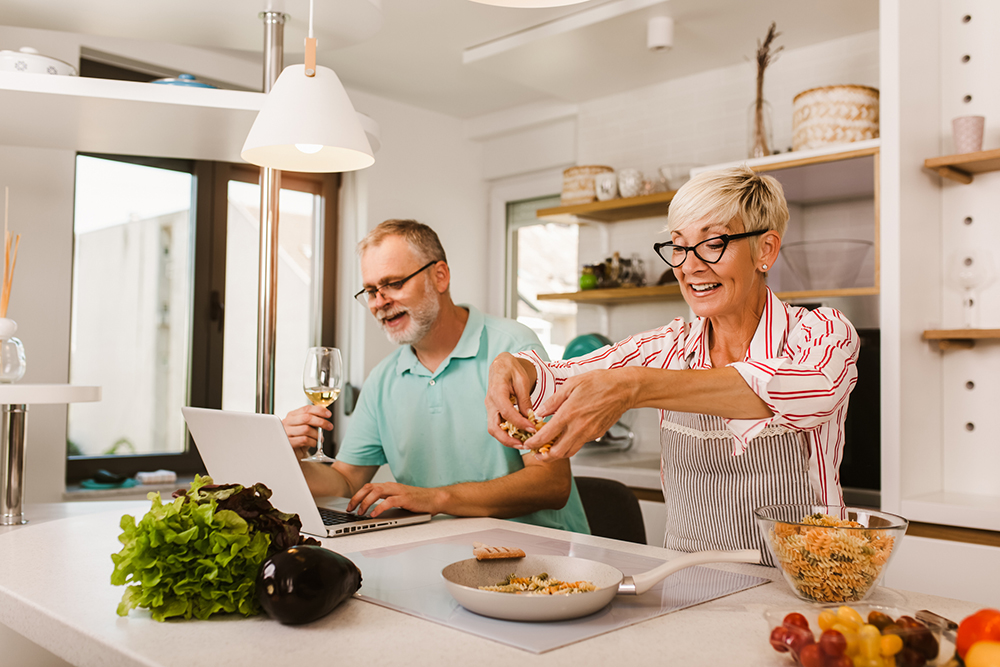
<point x="970" y="309"/>
<point x="319" y="443"/>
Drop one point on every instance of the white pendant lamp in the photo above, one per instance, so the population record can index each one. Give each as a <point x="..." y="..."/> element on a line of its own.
<point x="307" y="122"/>
<point x="529" y="4"/>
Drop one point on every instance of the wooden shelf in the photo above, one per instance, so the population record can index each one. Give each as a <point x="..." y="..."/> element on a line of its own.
<point x="612" y="210"/>
<point x="961" y="167"/>
<point x="959" y="339"/>
<point x="618" y="294"/>
<point x="804" y="187"/>
<point x="621" y="295"/>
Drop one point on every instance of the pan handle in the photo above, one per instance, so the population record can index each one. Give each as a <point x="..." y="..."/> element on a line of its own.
<point x="638" y="584"/>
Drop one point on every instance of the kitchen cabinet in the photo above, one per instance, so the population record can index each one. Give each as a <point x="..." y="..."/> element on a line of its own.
<point x="817" y="183"/>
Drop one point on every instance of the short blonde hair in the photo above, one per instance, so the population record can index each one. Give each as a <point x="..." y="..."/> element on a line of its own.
<point x="724" y="195"/>
<point x="422" y="239"/>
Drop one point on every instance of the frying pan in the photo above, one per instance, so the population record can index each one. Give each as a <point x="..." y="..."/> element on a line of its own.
<point x="464" y="578"/>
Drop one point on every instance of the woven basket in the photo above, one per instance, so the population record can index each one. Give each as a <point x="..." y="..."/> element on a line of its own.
<point x="578" y="184"/>
<point x="834" y="115"/>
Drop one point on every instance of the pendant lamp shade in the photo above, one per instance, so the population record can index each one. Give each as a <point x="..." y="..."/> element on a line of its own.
<point x="307" y="123"/>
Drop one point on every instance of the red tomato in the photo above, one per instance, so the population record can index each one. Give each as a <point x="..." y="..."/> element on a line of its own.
<point x="777" y="640"/>
<point x="811" y="656"/>
<point x="984" y="625"/>
<point x="798" y="638"/>
<point x="796" y="619"/>
<point x="833" y="643"/>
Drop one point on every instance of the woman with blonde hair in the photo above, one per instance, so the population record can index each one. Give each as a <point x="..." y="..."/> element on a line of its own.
<point x="752" y="393"/>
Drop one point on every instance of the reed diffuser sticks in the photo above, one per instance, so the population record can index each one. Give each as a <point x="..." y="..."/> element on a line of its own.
<point x="9" y="260"/>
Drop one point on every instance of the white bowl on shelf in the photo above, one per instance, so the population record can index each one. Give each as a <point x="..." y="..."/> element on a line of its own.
<point x="30" y="61"/>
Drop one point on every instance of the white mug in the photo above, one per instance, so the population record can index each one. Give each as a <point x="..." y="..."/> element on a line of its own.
<point x="606" y="185"/>
<point x="630" y="182"/>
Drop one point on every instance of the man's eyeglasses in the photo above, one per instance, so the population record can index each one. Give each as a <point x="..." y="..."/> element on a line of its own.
<point x="709" y="251"/>
<point x="388" y="290"/>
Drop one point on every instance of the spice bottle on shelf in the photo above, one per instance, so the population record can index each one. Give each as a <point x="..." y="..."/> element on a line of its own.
<point x="588" y="277"/>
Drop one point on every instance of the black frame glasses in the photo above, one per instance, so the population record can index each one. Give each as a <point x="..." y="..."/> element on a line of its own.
<point x="725" y="239"/>
<point x="365" y="296"/>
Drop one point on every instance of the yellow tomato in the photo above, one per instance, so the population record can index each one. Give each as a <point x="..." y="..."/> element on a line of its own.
<point x="870" y="640"/>
<point x="850" y="636"/>
<point x="983" y="654"/>
<point x="891" y="645"/>
<point x="864" y="661"/>
<point x="850" y="617"/>
<point x="827" y="618"/>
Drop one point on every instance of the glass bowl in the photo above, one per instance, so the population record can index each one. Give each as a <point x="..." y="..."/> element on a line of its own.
<point x="926" y="642"/>
<point x="830" y="553"/>
<point x="677" y="174"/>
<point x="827" y="264"/>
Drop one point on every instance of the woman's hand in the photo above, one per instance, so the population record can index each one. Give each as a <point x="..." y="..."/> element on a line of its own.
<point x="509" y="376"/>
<point x="583" y="409"/>
<point x="301" y="424"/>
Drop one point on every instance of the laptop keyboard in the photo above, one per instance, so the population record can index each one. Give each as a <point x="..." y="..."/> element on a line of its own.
<point x="334" y="517"/>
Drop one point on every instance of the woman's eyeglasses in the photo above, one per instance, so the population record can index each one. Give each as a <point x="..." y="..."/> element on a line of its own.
<point x="709" y="251"/>
<point x="388" y="290"/>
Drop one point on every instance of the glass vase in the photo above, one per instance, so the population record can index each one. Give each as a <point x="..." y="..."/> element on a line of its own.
<point x="12" y="363"/>
<point x="760" y="136"/>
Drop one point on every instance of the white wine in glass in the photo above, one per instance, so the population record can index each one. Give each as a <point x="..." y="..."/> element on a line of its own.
<point x="322" y="380"/>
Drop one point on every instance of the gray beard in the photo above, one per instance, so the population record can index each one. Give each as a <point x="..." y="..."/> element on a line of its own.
<point x="422" y="318"/>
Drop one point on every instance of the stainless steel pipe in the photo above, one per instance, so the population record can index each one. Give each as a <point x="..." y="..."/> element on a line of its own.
<point x="270" y="187"/>
<point x="14" y="421"/>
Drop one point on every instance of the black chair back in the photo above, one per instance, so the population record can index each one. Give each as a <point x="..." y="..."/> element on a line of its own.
<point x="612" y="509"/>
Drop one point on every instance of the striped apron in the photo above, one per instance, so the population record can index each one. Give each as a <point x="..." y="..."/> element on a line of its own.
<point x="710" y="494"/>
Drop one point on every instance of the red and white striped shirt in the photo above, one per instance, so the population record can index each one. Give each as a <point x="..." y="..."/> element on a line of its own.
<point x="801" y="363"/>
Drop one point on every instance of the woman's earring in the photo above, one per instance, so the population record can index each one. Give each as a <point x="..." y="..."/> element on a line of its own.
<point x="763" y="268"/>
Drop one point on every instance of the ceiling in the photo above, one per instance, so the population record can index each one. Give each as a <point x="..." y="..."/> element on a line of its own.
<point x="412" y="50"/>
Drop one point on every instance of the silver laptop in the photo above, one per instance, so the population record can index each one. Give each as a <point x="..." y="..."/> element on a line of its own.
<point x="246" y="448"/>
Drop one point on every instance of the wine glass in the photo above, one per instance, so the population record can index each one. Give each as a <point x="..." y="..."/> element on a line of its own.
<point x="971" y="270"/>
<point x="322" y="380"/>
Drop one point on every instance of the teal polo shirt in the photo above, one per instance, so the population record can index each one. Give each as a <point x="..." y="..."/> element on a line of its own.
<point x="431" y="427"/>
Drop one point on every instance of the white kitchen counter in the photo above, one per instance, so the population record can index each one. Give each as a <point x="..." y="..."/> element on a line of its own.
<point x="55" y="590"/>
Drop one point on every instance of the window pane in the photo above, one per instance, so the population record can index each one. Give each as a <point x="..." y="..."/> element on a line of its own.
<point x="131" y="312"/>
<point x="298" y="285"/>
<point x="547" y="263"/>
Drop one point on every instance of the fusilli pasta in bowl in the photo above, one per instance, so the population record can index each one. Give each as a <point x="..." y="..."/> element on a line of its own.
<point x="830" y="553"/>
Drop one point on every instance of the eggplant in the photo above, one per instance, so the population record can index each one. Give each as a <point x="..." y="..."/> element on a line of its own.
<point x="304" y="583"/>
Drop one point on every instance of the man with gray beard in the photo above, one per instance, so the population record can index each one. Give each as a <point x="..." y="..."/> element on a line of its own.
<point x="422" y="408"/>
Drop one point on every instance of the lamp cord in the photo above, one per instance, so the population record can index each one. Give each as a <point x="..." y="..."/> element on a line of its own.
<point x="310" y="18"/>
